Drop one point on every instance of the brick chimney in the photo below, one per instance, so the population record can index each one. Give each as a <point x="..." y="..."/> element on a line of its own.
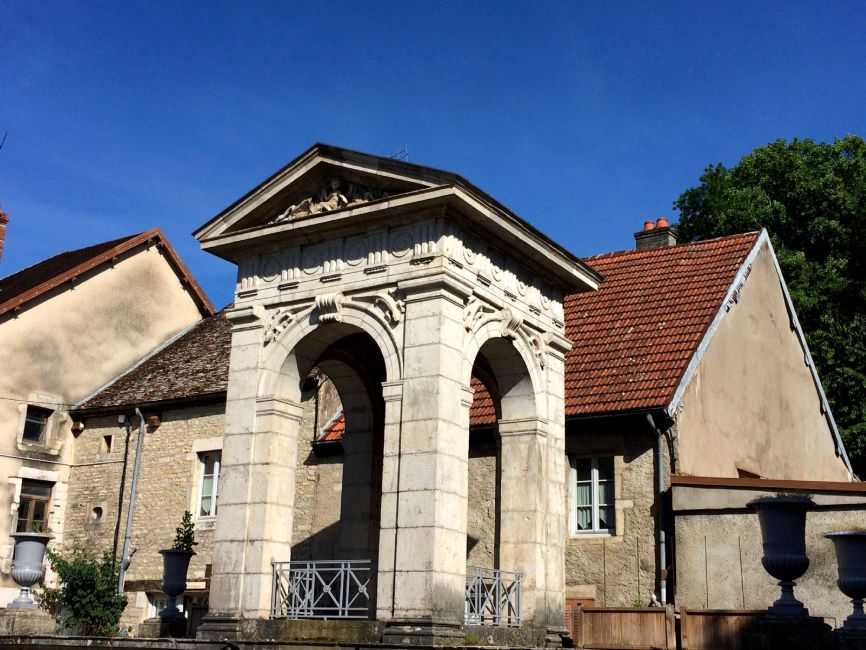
<point x="4" y="219"/>
<point x="655" y="235"/>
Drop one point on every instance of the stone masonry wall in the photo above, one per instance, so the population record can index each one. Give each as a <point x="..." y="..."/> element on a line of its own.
<point x="617" y="569"/>
<point x="318" y="484"/>
<point x="168" y="484"/>
<point x="481" y="535"/>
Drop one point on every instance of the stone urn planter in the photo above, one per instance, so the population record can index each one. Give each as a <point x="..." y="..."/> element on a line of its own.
<point x="175" y="564"/>
<point x="850" y="546"/>
<point x="27" y="566"/>
<point x="783" y="532"/>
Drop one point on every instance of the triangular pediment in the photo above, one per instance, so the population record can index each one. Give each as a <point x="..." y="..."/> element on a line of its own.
<point x="323" y="179"/>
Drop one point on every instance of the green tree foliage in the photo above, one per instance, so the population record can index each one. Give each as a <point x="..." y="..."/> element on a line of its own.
<point x="87" y="597"/>
<point x="184" y="535"/>
<point x="811" y="197"/>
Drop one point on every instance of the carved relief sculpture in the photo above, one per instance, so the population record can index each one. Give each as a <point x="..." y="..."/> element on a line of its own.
<point x="336" y="194"/>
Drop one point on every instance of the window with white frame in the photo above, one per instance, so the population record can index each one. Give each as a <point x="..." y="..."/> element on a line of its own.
<point x="592" y="492"/>
<point x="209" y="473"/>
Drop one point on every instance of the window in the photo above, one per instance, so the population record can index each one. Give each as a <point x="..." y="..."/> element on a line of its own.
<point x="33" y="506"/>
<point x="106" y="444"/>
<point x="209" y="469"/>
<point x="35" y="424"/>
<point x="593" y="492"/>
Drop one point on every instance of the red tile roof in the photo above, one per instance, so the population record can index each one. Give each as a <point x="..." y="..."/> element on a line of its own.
<point x="334" y="431"/>
<point x="27" y="284"/>
<point x="634" y="337"/>
<point x="483" y="410"/>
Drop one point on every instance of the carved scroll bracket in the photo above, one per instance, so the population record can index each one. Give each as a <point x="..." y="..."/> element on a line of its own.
<point x="330" y="307"/>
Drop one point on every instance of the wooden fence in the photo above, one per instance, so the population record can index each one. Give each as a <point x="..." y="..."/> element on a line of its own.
<point x="712" y="629"/>
<point x="609" y="628"/>
<point x="629" y="628"/>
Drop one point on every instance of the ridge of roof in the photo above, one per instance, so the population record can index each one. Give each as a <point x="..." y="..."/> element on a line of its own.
<point x="29" y="283"/>
<point x="668" y="249"/>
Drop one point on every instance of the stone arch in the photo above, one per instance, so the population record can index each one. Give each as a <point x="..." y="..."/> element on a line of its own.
<point x="337" y="498"/>
<point x="511" y="358"/>
<point x="283" y="367"/>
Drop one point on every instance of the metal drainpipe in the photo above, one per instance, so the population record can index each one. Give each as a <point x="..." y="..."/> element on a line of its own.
<point x="128" y="427"/>
<point x="124" y="557"/>
<point x="660" y="510"/>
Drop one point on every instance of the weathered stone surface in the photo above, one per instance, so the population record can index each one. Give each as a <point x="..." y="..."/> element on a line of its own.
<point x="620" y="569"/>
<point x="21" y="622"/>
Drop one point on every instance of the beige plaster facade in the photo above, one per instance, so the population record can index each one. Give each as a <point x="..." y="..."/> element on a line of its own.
<point x="62" y="345"/>
<point x="718" y="550"/>
<point x="752" y="402"/>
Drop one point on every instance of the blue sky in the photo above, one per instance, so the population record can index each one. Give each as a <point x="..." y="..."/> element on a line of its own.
<point x="584" y="118"/>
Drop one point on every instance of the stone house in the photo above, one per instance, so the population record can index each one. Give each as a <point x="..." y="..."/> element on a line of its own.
<point x="69" y="325"/>
<point x="415" y="382"/>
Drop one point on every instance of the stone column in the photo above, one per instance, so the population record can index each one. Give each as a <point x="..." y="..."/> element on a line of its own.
<point x="556" y="528"/>
<point x="257" y="482"/>
<point x="424" y="487"/>
<point x="523" y="510"/>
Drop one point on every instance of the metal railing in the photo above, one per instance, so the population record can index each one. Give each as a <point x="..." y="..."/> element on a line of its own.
<point x="492" y="597"/>
<point x="322" y="589"/>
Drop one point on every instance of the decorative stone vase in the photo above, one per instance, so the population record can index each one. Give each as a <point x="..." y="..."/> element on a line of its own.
<point x="27" y="566"/>
<point x="175" y="564"/>
<point x="850" y="548"/>
<point x="783" y="531"/>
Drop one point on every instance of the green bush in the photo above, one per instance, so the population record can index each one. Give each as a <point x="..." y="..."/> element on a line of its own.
<point x="87" y="597"/>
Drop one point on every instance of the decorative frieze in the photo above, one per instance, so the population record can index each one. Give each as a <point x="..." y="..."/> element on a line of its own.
<point x="333" y="261"/>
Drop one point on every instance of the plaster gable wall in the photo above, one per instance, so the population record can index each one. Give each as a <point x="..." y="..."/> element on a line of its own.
<point x="76" y="340"/>
<point x="63" y="346"/>
<point x="752" y="402"/>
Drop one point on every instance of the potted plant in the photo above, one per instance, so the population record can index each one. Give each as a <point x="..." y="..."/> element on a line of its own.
<point x="27" y="567"/>
<point x="783" y="532"/>
<point x="175" y="563"/>
<point x="850" y="546"/>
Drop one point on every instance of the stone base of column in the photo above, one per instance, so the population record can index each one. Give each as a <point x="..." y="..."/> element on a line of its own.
<point x="773" y="633"/>
<point x="216" y="627"/>
<point x="558" y="637"/>
<point x="423" y="632"/>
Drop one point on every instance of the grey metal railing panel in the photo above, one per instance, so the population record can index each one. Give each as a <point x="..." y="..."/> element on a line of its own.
<point x="322" y="589"/>
<point x="492" y="597"/>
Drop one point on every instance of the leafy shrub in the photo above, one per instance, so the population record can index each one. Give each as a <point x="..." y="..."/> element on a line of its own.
<point x="87" y="597"/>
<point x="184" y="538"/>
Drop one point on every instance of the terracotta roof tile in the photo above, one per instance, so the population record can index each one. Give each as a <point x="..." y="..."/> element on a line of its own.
<point x="334" y="431"/>
<point x="634" y="337"/>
